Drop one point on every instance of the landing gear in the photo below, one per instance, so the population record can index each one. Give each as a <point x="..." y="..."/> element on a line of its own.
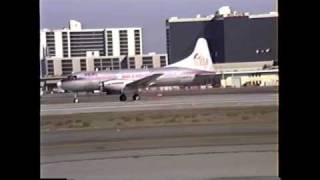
<point x="136" y="97"/>
<point x="123" y="97"/>
<point x="75" y="99"/>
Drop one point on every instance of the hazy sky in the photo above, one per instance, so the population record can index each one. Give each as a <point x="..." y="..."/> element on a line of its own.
<point x="150" y="15"/>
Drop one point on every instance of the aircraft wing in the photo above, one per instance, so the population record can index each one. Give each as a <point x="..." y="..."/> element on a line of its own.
<point x="205" y="75"/>
<point x="144" y="82"/>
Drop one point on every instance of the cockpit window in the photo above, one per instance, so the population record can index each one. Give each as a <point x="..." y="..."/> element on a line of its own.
<point x="72" y="77"/>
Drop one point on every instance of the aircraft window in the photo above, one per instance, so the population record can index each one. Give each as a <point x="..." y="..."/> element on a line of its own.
<point x="90" y="74"/>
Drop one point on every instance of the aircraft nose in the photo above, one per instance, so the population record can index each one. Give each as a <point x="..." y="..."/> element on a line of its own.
<point x="66" y="85"/>
<point x="59" y="84"/>
<point x="63" y="84"/>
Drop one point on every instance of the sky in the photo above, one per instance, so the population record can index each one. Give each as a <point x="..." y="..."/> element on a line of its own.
<point x="150" y="15"/>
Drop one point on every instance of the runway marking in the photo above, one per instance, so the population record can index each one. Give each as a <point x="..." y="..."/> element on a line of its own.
<point x="193" y="100"/>
<point x="177" y="102"/>
<point x="171" y="99"/>
<point x="147" y="105"/>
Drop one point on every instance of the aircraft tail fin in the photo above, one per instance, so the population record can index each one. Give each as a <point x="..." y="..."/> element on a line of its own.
<point x="199" y="59"/>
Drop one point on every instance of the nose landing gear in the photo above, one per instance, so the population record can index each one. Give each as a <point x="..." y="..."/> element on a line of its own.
<point x="136" y="97"/>
<point x="75" y="99"/>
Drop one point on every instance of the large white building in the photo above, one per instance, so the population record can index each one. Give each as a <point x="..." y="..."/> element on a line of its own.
<point x="74" y="49"/>
<point x="77" y="42"/>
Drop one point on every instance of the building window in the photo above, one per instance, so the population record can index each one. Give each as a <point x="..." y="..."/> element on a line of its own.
<point x="123" y="39"/>
<point x="50" y="42"/>
<point x="137" y="42"/>
<point x="115" y="63"/>
<point x="81" y="42"/>
<point x="103" y="64"/>
<point x="50" y="68"/>
<point x="168" y="38"/>
<point x="123" y="52"/>
<point x="66" y="66"/>
<point x="83" y="64"/>
<point x="109" y="43"/>
<point x="97" y="64"/>
<point x="163" y="61"/>
<point x="110" y="52"/>
<point x="132" y="63"/>
<point x="106" y="64"/>
<point x="147" y="61"/>
<point x="65" y="44"/>
<point x="123" y="31"/>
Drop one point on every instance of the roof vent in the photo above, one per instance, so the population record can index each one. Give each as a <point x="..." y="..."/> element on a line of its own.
<point x="224" y="11"/>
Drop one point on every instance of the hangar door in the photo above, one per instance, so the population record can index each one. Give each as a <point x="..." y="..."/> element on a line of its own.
<point x="236" y="82"/>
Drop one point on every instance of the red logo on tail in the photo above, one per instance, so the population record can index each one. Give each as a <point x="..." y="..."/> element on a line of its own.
<point x="200" y="60"/>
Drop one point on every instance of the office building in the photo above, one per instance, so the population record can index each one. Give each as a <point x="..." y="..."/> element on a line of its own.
<point x="232" y="36"/>
<point x="77" y="42"/>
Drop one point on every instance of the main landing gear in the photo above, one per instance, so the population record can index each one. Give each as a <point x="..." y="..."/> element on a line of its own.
<point x="123" y="97"/>
<point x="135" y="97"/>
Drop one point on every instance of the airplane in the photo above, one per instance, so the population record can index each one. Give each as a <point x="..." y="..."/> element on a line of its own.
<point x="127" y="82"/>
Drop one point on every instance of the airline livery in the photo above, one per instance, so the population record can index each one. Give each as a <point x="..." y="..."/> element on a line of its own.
<point x="126" y="82"/>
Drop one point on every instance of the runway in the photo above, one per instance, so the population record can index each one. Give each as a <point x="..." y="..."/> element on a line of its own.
<point x="179" y="152"/>
<point x="244" y="148"/>
<point x="55" y="144"/>
<point x="149" y="95"/>
<point x="170" y="102"/>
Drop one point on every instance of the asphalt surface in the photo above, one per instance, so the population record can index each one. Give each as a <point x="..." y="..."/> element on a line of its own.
<point x="102" y="135"/>
<point x="191" y="164"/>
<point x="168" y="102"/>
<point x="176" y="152"/>
<point x="245" y="149"/>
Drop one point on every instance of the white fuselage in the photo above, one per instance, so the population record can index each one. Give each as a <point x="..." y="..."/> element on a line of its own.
<point x="116" y="80"/>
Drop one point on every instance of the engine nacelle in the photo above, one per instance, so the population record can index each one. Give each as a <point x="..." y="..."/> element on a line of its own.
<point x="187" y="79"/>
<point x="116" y="85"/>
